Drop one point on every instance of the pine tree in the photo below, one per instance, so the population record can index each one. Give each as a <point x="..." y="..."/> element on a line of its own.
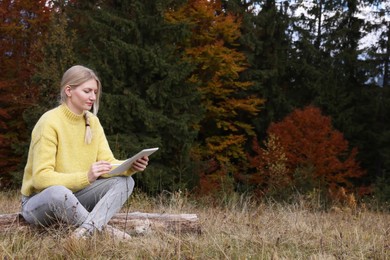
<point x="267" y="45"/>
<point x="342" y="90"/>
<point x="376" y="139"/>
<point x="146" y="100"/>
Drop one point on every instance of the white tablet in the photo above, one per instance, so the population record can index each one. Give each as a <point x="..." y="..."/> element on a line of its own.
<point x="127" y="164"/>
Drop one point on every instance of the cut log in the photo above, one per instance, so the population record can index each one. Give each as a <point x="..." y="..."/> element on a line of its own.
<point x="133" y="223"/>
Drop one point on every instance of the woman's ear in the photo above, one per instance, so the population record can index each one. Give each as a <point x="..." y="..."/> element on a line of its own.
<point x="68" y="91"/>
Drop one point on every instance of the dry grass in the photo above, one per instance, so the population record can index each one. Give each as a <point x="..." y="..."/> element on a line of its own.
<point x="238" y="229"/>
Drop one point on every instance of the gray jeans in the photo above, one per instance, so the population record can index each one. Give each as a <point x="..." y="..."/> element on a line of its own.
<point x="91" y="207"/>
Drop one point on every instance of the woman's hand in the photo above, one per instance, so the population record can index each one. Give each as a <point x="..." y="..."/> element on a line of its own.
<point x="97" y="169"/>
<point x="140" y="164"/>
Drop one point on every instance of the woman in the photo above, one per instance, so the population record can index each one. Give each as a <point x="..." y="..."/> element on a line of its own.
<point x="66" y="176"/>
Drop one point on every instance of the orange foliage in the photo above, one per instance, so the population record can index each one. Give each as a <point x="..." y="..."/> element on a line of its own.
<point x="211" y="47"/>
<point x="306" y="138"/>
<point x="341" y="198"/>
<point x="22" y="23"/>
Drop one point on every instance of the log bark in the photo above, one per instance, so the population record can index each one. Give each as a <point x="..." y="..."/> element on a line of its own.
<point x="132" y="223"/>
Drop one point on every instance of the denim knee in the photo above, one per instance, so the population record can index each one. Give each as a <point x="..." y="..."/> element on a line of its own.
<point x="58" y="193"/>
<point x="130" y="182"/>
<point x="125" y="183"/>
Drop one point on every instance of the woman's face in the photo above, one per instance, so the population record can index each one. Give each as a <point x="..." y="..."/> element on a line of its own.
<point x="82" y="97"/>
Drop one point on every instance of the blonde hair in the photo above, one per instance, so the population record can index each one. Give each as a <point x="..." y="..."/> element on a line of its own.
<point x="74" y="77"/>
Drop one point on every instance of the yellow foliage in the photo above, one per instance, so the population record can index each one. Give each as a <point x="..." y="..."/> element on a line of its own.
<point x="211" y="49"/>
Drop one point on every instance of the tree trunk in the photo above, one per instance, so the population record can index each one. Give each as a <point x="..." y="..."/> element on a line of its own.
<point x="132" y="223"/>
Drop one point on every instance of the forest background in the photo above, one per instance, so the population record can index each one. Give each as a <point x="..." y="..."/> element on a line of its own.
<point x="267" y="98"/>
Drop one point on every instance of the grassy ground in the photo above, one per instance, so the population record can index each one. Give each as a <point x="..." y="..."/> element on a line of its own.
<point x="236" y="229"/>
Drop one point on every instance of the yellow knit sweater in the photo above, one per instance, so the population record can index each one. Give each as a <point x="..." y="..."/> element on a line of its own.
<point x="58" y="154"/>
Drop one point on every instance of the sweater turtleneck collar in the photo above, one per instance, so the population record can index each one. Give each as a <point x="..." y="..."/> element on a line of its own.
<point x="71" y="115"/>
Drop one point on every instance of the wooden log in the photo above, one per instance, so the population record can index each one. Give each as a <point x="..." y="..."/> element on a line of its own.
<point x="133" y="223"/>
<point x="139" y="222"/>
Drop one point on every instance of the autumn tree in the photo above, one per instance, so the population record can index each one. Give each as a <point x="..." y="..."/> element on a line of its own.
<point x="59" y="55"/>
<point x="22" y="24"/>
<point x="55" y="48"/>
<point x="211" y="46"/>
<point x="305" y="146"/>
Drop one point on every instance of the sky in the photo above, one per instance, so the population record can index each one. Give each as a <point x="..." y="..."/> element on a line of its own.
<point x="369" y="13"/>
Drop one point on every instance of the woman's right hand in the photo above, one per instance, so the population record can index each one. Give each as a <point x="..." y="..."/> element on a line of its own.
<point x="97" y="169"/>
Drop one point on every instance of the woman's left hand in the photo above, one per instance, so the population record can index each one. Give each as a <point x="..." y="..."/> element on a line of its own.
<point x="140" y="164"/>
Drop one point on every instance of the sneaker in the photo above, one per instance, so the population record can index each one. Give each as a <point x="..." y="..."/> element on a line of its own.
<point x="116" y="233"/>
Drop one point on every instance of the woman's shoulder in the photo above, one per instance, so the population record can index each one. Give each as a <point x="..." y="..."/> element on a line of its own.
<point x="45" y="123"/>
<point x="49" y="115"/>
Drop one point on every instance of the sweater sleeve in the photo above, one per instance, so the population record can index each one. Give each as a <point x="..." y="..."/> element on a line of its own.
<point x="43" y="167"/>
